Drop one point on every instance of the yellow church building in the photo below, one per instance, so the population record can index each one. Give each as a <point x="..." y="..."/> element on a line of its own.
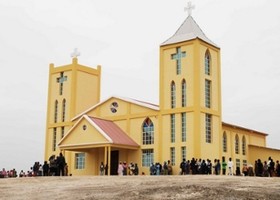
<point x="187" y="122"/>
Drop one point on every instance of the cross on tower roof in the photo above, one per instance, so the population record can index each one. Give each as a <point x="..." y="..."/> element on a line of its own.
<point x="76" y="53"/>
<point x="189" y="8"/>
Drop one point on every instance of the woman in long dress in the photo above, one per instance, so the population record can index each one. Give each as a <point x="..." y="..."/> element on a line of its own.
<point x="120" y="169"/>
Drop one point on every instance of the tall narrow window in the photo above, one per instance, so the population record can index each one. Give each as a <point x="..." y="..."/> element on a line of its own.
<point x="80" y="160"/>
<point x="172" y="123"/>
<point x="184" y="127"/>
<point x="177" y="56"/>
<point x="172" y="155"/>
<point x="55" y="110"/>
<point x="147" y="157"/>
<point x="243" y="145"/>
<point x="54" y="139"/>
<point x="224" y="142"/>
<point x="208" y="128"/>
<point x="62" y="132"/>
<point x="184" y="93"/>
<point x="207" y="93"/>
<point x="236" y="144"/>
<point x="173" y="95"/>
<point x="184" y="152"/>
<point x="148" y="131"/>
<point x="63" y="109"/>
<point x="207" y="62"/>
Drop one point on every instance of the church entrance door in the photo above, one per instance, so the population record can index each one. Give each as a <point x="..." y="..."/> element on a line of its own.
<point x="114" y="162"/>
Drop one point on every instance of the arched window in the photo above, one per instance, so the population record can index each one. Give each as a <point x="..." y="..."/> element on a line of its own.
<point x="148" y="131"/>
<point x="236" y="144"/>
<point x="173" y="95"/>
<point x="224" y="142"/>
<point x="207" y="62"/>
<point x="184" y="93"/>
<point x="63" y="109"/>
<point x="55" y="110"/>
<point x="243" y="145"/>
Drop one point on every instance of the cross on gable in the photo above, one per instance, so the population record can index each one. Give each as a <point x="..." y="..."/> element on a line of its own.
<point x="177" y="56"/>
<point x="189" y="8"/>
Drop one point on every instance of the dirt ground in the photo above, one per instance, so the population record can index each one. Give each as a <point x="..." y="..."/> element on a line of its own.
<point x="140" y="187"/>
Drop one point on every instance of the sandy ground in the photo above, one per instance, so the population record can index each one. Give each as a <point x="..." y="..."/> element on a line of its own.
<point x="140" y="187"/>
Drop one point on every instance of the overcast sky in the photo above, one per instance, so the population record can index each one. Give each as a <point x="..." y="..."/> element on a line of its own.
<point x="124" y="37"/>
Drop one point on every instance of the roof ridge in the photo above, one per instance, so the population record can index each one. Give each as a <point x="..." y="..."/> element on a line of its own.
<point x="99" y="118"/>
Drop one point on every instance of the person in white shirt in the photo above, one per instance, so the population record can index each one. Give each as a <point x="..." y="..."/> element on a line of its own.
<point x="230" y="167"/>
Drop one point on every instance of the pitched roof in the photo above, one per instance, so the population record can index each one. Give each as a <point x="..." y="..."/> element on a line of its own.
<point x="242" y="128"/>
<point x="113" y="132"/>
<point x="140" y="103"/>
<point x="137" y="102"/>
<point x="189" y="30"/>
<point x="262" y="147"/>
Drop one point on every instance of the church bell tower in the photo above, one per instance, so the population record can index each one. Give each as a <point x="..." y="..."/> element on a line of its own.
<point x="190" y="93"/>
<point x="72" y="89"/>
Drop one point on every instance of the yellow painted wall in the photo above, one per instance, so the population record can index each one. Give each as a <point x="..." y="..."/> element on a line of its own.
<point x="213" y="77"/>
<point x="210" y="150"/>
<point x="128" y="125"/>
<point x="190" y="135"/>
<point x="193" y="73"/>
<point x="54" y="95"/>
<point x="168" y="74"/>
<point x="250" y="139"/>
<point x="82" y="90"/>
<point x="87" y="83"/>
<point x="73" y="93"/>
<point x="91" y="164"/>
<point x="258" y="152"/>
<point x="131" y="116"/>
<point x="80" y="136"/>
<point x="123" y="108"/>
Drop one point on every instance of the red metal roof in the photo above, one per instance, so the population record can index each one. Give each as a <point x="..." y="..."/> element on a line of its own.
<point x="117" y="135"/>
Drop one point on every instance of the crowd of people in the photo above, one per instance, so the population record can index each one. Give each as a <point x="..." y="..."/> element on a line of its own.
<point x="57" y="166"/>
<point x="128" y="169"/>
<point x="123" y="169"/>
<point x="205" y="166"/>
<point x="8" y="173"/>
<point x="159" y="169"/>
<point x="267" y="168"/>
